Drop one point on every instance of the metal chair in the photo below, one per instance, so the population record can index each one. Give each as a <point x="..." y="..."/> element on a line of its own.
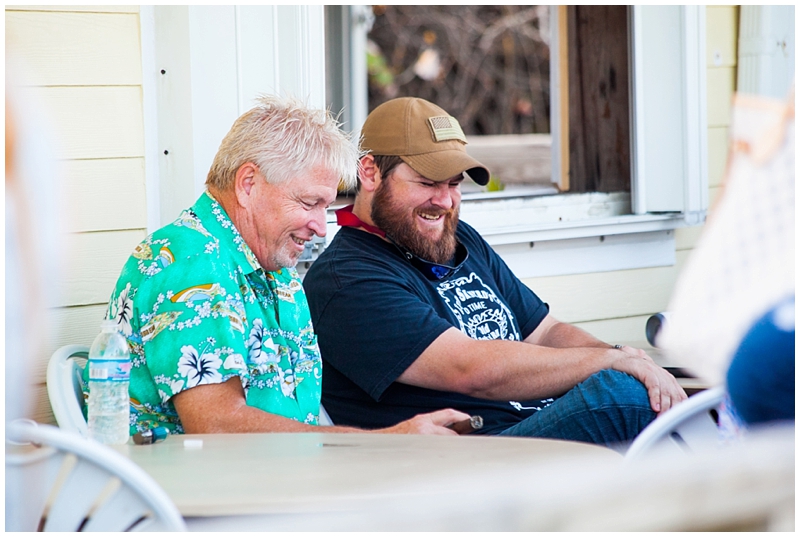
<point x="683" y="428"/>
<point x="64" y="387"/>
<point x="63" y="482"/>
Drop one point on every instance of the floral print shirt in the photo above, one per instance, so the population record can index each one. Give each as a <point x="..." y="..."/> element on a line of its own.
<point x="197" y="308"/>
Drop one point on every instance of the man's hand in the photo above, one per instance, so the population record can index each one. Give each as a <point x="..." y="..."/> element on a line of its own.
<point x="433" y="423"/>
<point x="663" y="389"/>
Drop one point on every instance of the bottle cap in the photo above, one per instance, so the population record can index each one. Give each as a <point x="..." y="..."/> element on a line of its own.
<point x="151" y="436"/>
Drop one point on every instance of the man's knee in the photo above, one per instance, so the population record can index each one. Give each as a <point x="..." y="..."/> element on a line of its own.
<point x="614" y="388"/>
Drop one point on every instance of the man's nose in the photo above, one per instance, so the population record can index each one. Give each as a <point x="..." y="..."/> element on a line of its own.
<point x="443" y="197"/>
<point x="318" y="223"/>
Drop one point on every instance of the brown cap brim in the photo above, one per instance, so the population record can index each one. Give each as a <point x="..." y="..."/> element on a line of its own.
<point x="442" y="165"/>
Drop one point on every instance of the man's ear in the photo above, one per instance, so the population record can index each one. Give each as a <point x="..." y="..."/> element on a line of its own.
<point x="369" y="174"/>
<point x="244" y="181"/>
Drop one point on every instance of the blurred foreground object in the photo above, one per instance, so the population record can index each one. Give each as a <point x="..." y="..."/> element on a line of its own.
<point x="683" y="429"/>
<point x="75" y="484"/>
<point x="744" y="261"/>
<point x="33" y="240"/>
<point x="761" y="376"/>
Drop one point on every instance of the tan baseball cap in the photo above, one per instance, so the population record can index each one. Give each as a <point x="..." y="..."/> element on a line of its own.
<point x="426" y="137"/>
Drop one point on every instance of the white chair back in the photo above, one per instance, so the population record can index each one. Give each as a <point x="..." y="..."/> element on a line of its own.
<point x="324" y="418"/>
<point x="63" y="482"/>
<point x="64" y="387"/>
<point x="683" y="428"/>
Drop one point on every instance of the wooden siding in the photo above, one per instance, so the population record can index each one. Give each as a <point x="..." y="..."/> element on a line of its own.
<point x="105" y="194"/>
<point x="78" y="49"/>
<point x="85" y="70"/>
<point x="614" y="306"/>
<point x="600" y="296"/>
<point x="77" y="9"/>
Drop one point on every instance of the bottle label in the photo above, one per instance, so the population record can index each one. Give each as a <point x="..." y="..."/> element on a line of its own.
<point x="110" y="370"/>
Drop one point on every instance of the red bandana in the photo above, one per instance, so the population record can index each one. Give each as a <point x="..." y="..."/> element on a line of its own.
<point x="346" y="218"/>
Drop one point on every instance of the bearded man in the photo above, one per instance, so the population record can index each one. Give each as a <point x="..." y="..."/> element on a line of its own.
<point x="415" y="312"/>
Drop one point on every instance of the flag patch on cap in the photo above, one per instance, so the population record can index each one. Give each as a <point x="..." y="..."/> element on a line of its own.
<point x="446" y="128"/>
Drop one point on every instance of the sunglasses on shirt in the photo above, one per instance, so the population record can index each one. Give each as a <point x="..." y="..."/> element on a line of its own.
<point x="434" y="271"/>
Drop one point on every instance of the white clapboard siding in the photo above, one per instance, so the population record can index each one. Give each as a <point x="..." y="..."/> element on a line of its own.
<point x="717" y="155"/>
<point x="722" y="30"/>
<point x="605" y="295"/>
<point x="105" y="194"/>
<point x="77" y="49"/>
<point x="77" y="325"/>
<point x="686" y="237"/>
<point x="95" y="122"/>
<point x="78" y="9"/>
<point x="94" y="264"/>
<point x="721" y="86"/>
<point x="623" y="329"/>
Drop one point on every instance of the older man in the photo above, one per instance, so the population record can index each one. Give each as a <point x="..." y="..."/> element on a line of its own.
<point x="217" y="321"/>
<point x="415" y="312"/>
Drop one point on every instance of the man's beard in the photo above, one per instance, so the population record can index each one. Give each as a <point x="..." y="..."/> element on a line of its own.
<point x="285" y="257"/>
<point x="392" y="217"/>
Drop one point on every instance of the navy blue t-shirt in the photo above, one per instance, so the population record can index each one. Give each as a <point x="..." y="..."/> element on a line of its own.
<point x="375" y="313"/>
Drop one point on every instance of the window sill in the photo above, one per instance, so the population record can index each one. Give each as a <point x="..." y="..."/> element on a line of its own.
<point x="562" y="216"/>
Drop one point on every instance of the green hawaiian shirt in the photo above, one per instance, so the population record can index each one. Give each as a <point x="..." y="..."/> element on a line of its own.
<point x="197" y="308"/>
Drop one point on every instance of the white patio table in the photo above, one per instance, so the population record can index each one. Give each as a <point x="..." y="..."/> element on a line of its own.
<point x="291" y="476"/>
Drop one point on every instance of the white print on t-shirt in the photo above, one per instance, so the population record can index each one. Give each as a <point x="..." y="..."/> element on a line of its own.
<point x="480" y="313"/>
<point x="517" y="405"/>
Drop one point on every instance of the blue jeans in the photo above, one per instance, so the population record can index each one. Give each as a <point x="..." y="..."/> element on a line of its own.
<point x="608" y="408"/>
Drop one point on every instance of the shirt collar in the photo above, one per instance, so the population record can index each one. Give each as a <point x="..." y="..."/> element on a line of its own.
<point x="217" y="222"/>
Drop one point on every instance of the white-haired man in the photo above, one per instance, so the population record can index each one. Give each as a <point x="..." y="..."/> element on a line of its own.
<point x="216" y="319"/>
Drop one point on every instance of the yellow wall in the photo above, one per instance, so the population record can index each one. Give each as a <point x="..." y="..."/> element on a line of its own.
<point x="614" y="306"/>
<point x="84" y="67"/>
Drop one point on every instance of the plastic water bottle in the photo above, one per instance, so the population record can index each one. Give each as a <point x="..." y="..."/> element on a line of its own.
<point x="109" y="377"/>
